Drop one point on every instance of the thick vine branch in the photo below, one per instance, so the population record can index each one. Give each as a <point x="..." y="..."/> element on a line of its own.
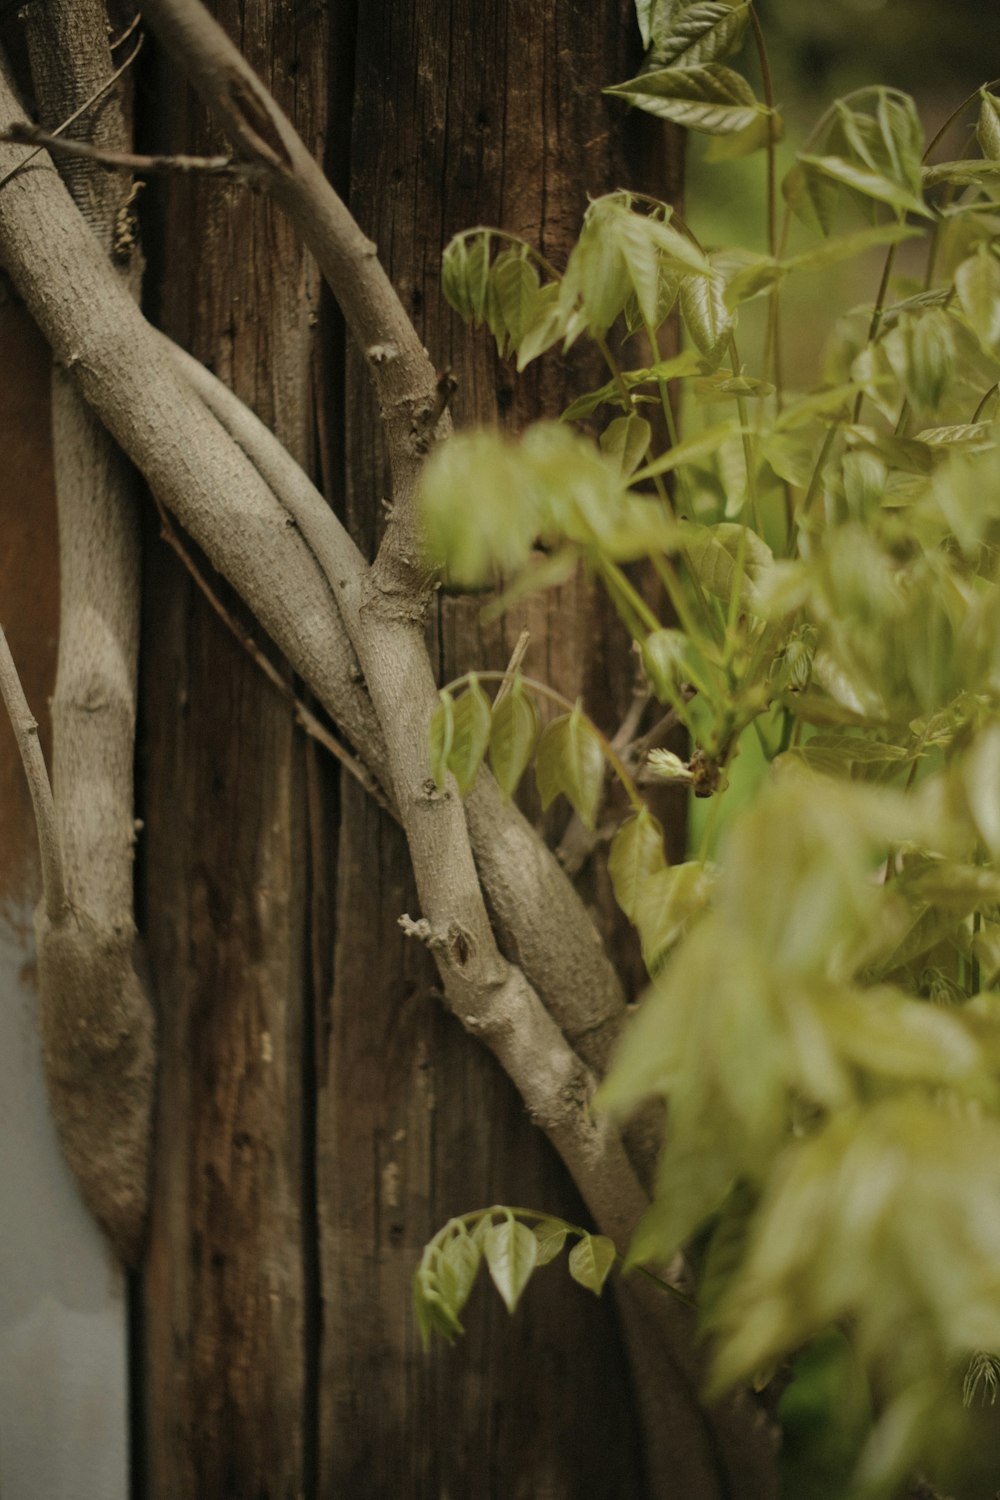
<point x="404" y="377"/>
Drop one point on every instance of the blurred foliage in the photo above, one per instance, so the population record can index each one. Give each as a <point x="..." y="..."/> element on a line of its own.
<point x="823" y="1017"/>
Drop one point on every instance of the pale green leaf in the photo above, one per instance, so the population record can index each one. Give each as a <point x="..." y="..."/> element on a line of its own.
<point x="811" y="195"/>
<point x="846" y="246"/>
<point x="703" y="32"/>
<point x="688" y="362"/>
<point x="551" y="1237"/>
<point x="515" y="288"/>
<point x="636" y="854"/>
<point x="988" y="126"/>
<point x="708" y="319"/>
<point x="456" y="1271"/>
<point x="711" y="98"/>
<point x="513" y="733"/>
<point x="715" y="553"/>
<point x="868" y="184"/>
<point x="471" y="721"/>
<point x="765" y="129"/>
<point x="665" y="658"/>
<point x="625" y="441"/>
<point x="689" y="450"/>
<point x="570" y="760"/>
<point x="977" y="283"/>
<point x="666" y="903"/>
<point x="442" y="733"/>
<point x="590" y="1260"/>
<point x="980" y="782"/>
<point x="511" y="1252"/>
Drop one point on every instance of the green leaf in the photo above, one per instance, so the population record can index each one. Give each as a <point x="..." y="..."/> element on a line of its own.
<point x="846" y="246"/>
<point x="922" y="353"/>
<point x="636" y="854"/>
<point x="988" y="126"/>
<point x="590" y="1260"/>
<point x="706" y="316"/>
<point x="868" y="184"/>
<point x="513" y="733"/>
<point x="703" y="33"/>
<point x="516" y="288"/>
<point x="711" y="98"/>
<point x="511" y="1252"/>
<point x="470" y="736"/>
<point x="812" y="196"/>
<point x="457" y="1267"/>
<point x="689" y="450"/>
<point x="688" y="362"/>
<point x="597" y="273"/>
<point x="465" y="271"/>
<point x="570" y="760"/>
<point x="713" y="552"/>
<point x="980" y="782"/>
<point x="666" y="903"/>
<point x="625" y="440"/>
<point x="765" y="129"/>
<point x="977" y="283"/>
<point x="551" y="1237"/>
<point x="442" y="733"/>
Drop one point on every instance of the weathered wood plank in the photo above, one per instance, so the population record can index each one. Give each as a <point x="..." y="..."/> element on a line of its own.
<point x="489" y="114"/>
<point x="228" y="1283"/>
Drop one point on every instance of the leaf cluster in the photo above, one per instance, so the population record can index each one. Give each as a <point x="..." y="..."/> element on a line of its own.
<point x="823" y="1017"/>
<point x="512" y="1251"/>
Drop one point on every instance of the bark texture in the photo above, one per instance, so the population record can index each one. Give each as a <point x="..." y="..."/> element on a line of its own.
<point x="290" y="1207"/>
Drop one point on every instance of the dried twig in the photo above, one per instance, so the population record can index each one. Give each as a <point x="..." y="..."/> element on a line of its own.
<point x="128" y="161"/>
<point x="513" y="666"/>
<point x="25" y="727"/>
<point x="88" y="103"/>
<point x="304" y="715"/>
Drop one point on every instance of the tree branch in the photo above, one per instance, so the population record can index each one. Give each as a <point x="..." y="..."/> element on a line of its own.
<point x="130" y="161"/>
<point x="404" y="377"/>
<point x="94" y="1005"/>
<point x="25" y="727"/>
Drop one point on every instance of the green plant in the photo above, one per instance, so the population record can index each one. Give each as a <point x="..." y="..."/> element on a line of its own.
<point x="823" y="1017"/>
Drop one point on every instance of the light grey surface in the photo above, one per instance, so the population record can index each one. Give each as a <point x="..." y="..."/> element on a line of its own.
<point x="63" y="1371"/>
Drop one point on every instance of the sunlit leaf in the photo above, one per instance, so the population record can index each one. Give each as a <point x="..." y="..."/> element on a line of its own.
<point x="711" y="98"/>
<point x="707" y="318"/>
<point x="703" y="33"/>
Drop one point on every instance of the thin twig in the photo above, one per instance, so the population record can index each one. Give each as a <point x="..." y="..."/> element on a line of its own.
<point x="88" y="103"/>
<point x="127" y="161"/>
<point x="25" y="727"/>
<point x="304" y="715"/>
<point x="123" y="36"/>
<point x="513" y="666"/>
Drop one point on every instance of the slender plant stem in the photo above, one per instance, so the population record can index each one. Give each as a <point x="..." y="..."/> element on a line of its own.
<point x="25" y="728"/>
<point x="304" y="715"/>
